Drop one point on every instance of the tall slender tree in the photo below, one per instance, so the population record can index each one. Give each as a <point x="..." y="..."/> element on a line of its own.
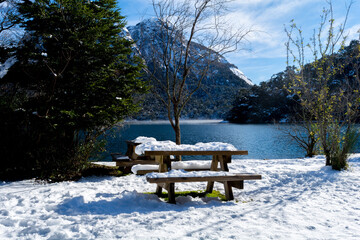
<point x="333" y="107"/>
<point x="192" y="35"/>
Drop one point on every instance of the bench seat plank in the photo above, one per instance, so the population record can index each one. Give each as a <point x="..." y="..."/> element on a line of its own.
<point x="134" y="162"/>
<point x="234" y="177"/>
<point x="145" y="171"/>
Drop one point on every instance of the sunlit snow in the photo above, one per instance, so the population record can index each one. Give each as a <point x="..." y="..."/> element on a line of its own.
<point x="241" y="75"/>
<point x="150" y="145"/>
<point x="296" y="199"/>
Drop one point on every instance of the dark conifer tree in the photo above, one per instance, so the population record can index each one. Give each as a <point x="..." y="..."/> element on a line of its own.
<point x="78" y="76"/>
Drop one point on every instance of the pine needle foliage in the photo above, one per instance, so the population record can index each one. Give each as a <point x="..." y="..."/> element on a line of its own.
<point x="77" y="76"/>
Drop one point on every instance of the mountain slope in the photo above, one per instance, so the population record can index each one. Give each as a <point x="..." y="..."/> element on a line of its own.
<point x="218" y="89"/>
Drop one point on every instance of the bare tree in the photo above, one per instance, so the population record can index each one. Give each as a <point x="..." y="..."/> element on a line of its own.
<point x="303" y="131"/>
<point x="191" y="35"/>
<point x="8" y="28"/>
<point x="325" y="92"/>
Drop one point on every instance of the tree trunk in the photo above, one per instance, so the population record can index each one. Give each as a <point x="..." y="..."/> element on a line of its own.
<point x="177" y="130"/>
<point x="310" y="150"/>
<point x="327" y="157"/>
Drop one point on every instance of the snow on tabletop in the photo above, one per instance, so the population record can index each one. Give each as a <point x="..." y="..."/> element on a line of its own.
<point x="142" y="139"/>
<point x="183" y="173"/>
<point x="171" y="146"/>
<point x="296" y="199"/>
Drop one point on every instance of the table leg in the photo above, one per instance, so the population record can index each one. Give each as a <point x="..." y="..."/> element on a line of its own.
<point x="228" y="191"/>
<point x="162" y="165"/>
<point x="224" y="160"/>
<point x="162" y="168"/>
<point x="158" y="191"/>
<point x="167" y="163"/>
<point x="171" y="192"/>
<point x="214" y="165"/>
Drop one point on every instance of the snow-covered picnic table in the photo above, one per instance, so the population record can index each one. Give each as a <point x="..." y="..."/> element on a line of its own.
<point x="162" y="157"/>
<point x="135" y="154"/>
<point x="162" y="151"/>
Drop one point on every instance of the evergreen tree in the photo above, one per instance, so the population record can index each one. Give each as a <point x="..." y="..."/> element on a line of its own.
<point x="265" y="103"/>
<point x="78" y="77"/>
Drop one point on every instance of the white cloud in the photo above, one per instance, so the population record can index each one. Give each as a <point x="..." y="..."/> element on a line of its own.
<point x="267" y="17"/>
<point x="353" y="32"/>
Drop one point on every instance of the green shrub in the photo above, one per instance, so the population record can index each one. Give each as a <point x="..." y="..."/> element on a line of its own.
<point x="346" y="145"/>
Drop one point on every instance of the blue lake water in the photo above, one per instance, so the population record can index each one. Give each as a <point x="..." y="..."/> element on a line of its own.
<point x="262" y="141"/>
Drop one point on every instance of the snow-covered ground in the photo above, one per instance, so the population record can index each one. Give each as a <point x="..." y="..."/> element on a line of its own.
<point x="296" y="199"/>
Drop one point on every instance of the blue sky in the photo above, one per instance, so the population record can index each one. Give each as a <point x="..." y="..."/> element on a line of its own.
<point x="266" y="53"/>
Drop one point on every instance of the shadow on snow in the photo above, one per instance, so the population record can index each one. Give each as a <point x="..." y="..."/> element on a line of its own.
<point x="130" y="202"/>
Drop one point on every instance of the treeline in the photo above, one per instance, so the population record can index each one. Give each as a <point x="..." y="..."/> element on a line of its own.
<point x="271" y="101"/>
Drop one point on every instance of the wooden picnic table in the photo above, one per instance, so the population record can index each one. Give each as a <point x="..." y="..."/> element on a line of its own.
<point x="130" y="151"/>
<point x="222" y="156"/>
<point x="218" y="156"/>
<point x="125" y="162"/>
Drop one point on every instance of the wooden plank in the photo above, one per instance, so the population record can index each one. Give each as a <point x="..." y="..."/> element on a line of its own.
<point x="133" y="162"/>
<point x="194" y="153"/>
<point x="234" y="177"/>
<point x="145" y="171"/>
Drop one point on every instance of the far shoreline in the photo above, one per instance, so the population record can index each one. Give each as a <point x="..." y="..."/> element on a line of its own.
<point x="182" y="121"/>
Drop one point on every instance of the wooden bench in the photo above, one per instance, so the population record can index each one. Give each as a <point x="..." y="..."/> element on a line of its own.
<point x="229" y="180"/>
<point x="145" y="171"/>
<point x="126" y="163"/>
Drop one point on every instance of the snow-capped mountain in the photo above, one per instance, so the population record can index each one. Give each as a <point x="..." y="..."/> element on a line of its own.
<point x="222" y="82"/>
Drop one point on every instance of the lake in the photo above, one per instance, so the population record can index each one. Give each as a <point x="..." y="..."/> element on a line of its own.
<point x="263" y="141"/>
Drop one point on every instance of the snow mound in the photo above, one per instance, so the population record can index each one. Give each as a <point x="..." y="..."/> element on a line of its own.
<point x="171" y="146"/>
<point x="142" y="139"/>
